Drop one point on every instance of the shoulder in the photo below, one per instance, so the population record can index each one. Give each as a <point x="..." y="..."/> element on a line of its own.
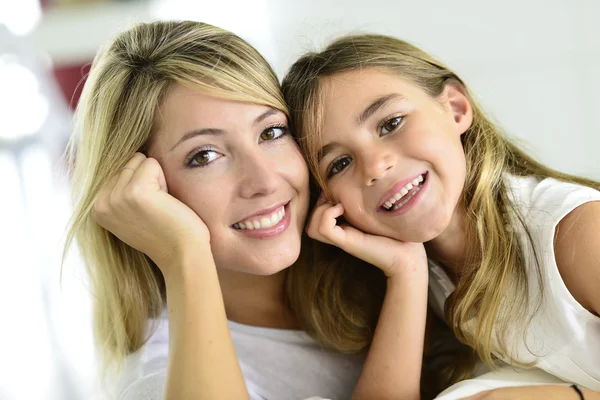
<point x="563" y="221"/>
<point x="577" y="252"/>
<point x="143" y="373"/>
<point x="148" y="387"/>
<point x="549" y="197"/>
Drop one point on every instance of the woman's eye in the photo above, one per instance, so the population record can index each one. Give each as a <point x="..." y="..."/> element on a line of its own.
<point x="390" y="125"/>
<point x="274" y="132"/>
<point x="203" y="157"/>
<point x="338" y="165"/>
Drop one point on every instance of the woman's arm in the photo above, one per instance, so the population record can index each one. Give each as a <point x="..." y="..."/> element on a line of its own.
<point x="202" y="359"/>
<point x="392" y="369"/>
<point x="136" y="207"/>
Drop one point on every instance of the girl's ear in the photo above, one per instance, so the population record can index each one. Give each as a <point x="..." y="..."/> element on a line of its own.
<point x="456" y="99"/>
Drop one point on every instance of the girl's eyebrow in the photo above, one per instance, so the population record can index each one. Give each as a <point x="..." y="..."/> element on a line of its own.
<point x="376" y="105"/>
<point x="326" y="150"/>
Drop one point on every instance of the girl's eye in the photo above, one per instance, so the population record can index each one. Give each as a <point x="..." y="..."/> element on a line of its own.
<point x="390" y="125"/>
<point x="338" y="165"/>
<point x="274" y="132"/>
<point x="203" y="158"/>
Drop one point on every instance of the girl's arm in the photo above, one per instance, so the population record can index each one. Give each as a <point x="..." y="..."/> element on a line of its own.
<point x="392" y="369"/>
<point x="136" y="207"/>
<point x="577" y="252"/>
<point x="541" y="392"/>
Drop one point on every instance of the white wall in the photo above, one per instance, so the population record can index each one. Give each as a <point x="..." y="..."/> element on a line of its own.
<point x="534" y="64"/>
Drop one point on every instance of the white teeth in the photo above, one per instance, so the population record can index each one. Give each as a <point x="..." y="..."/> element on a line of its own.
<point x="393" y="204"/>
<point x="264" y="222"/>
<point x="405" y="200"/>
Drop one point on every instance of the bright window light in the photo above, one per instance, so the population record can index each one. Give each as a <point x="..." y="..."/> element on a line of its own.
<point x="21" y="16"/>
<point x="23" y="107"/>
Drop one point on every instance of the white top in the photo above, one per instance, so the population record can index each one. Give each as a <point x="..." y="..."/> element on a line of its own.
<point x="563" y="337"/>
<point x="277" y="365"/>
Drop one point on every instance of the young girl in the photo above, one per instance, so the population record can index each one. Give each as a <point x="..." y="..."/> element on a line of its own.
<point x="402" y="150"/>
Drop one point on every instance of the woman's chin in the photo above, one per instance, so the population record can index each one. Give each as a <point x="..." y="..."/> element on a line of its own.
<point x="269" y="262"/>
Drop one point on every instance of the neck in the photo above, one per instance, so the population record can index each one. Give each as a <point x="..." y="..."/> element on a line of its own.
<point x="256" y="300"/>
<point x="450" y="248"/>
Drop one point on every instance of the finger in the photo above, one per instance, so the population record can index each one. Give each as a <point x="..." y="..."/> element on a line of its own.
<point x="314" y="225"/>
<point x="322" y="199"/>
<point x="328" y="224"/>
<point x="128" y="171"/>
<point x="149" y="175"/>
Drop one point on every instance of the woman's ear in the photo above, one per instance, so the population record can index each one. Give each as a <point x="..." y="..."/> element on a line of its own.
<point x="455" y="96"/>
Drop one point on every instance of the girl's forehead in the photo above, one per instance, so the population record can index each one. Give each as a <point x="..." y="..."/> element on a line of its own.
<point x="364" y="84"/>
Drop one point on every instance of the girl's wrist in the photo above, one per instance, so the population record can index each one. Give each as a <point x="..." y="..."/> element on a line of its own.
<point x="410" y="276"/>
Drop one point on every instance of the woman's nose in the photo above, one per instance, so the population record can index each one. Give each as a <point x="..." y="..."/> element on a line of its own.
<point x="258" y="177"/>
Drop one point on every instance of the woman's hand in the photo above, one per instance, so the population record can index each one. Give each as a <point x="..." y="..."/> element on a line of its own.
<point x="137" y="208"/>
<point x="389" y="255"/>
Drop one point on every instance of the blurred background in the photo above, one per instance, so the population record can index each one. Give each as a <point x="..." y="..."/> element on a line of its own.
<point x="534" y="65"/>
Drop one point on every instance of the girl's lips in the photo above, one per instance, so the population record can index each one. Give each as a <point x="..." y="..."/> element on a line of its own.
<point x="397" y="187"/>
<point x="406" y="207"/>
<point x="270" y="232"/>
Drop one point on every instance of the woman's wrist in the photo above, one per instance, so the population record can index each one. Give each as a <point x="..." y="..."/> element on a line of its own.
<point x="189" y="263"/>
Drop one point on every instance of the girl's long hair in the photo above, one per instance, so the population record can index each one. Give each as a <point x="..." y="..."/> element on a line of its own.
<point x="492" y="295"/>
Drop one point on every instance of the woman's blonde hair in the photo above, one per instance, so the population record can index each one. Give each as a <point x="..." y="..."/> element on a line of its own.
<point x="116" y="117"/>
<point x="496" y="273"/>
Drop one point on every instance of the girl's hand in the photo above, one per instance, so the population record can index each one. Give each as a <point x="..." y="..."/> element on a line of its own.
<point x="538" y="392"/>
<point x="136" y="207"/>
<point x="389" y="255"/>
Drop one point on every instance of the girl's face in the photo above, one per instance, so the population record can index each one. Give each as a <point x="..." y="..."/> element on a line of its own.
<point x="392" y="155"/>
<point x="238" y="168"/>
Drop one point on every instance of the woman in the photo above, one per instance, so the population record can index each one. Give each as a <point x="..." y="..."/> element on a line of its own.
<point x="191" y="192"/>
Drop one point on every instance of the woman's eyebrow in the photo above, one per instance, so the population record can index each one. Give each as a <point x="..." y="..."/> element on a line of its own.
<point x="198" y="132"/>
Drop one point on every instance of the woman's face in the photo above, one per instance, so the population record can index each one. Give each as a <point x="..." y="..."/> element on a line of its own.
<point x="236" y="165"/>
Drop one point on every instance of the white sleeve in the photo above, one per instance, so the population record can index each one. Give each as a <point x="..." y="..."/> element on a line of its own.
<point x="142" y="381"/>
<point x="149" y="387"/>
